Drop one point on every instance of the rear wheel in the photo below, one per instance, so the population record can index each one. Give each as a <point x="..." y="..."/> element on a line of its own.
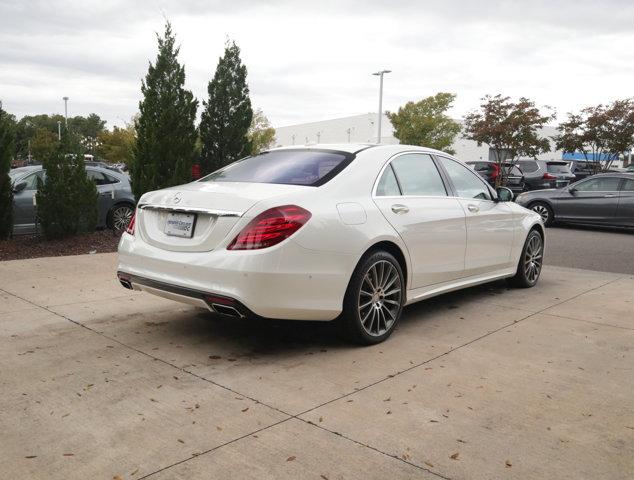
<point x="374" y="299"/>
<point x="119" y="217"/>
<point x="544" y="211"/>
<point x="531" y="261"/>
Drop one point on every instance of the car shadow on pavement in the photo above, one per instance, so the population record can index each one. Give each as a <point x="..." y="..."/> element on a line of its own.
<point x="244" y="337"/>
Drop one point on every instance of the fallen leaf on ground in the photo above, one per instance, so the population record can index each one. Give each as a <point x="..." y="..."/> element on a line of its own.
<point x="431" y="465"/>
<point x="181" y="441"/>
<point x="508" y="464"/>
<point x="290" y="459"/>
<point x="455" y="456"/>
<point x="215" y="357"/>
<point x="245" y="409"/>
<point x="31" y="456"/>
<point x="68" y="454"/>
<point x="135" y="472"/>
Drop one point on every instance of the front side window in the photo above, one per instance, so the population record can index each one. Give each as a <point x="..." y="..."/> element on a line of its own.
<point x="466" y="183"/>
<point x="417" y="175"/>
<point x="289" y="167"/>
<point x="601" y="184"/>
<point x="628" y="185"/>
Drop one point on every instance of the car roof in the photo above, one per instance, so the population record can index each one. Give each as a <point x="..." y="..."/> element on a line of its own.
<point x="340" y="147"/>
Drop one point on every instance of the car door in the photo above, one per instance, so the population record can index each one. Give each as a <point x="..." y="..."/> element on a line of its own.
<point x="593" y="200"/>
<point x="625" y="209"/>
<point x="490" y="224"/>
<point x="414" y="199"/>
<point x="24" y="204"/>
<point x="105" y="191"/>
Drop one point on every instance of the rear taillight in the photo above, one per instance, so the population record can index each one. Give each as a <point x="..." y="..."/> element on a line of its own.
<point x="130" y="228"/>
<point x="548" y="176"/>
<point x="496" y="171"/>
<point x="270" y="228"/>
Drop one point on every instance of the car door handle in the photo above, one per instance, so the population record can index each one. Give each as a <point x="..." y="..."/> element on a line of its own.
<point x="473" y="208"/>
<point x="399" y="209"/>
<point x="609" y="195"/>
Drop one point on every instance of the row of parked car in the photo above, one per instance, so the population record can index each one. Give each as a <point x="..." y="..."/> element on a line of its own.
<point x="567" y="192"/>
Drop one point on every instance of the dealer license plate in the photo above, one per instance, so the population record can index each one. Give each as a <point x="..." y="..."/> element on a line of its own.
<point x="180" y="224"/>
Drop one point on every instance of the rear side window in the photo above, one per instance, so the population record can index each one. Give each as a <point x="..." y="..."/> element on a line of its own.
<point x="417" y="174"/>
<point x="557" y="168"/>
<point x="388" y="186"/>
<point x="528" y="166"/>
<point x="289" y="167"/>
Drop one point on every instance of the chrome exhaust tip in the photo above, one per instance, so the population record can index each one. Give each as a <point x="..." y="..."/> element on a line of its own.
<point x="126" y="283"/>
<point x="226" y="310"/>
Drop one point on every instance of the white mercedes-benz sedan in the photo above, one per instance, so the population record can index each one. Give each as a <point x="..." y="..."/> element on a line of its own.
<point x="348" y="232"/>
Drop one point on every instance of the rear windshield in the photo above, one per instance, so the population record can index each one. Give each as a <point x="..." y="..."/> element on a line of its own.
<point x="528" y="165"/>
<point x="289" y="167"/>
<point x="512" y="170"/>
<point x="557" y="168"/>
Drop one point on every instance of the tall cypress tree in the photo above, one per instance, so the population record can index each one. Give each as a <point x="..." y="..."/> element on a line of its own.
<point x="7" y="139"/>
<point x="67" y="200"/>
<point x="227" y="116"/>
<point x="166" y="133"/>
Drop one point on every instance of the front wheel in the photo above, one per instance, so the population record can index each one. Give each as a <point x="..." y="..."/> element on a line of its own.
<point x="374" y="299"/>
<point x="531" y="261"/>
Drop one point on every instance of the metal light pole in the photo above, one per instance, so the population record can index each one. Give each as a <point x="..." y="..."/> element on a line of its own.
<point x="380" y="74"/>
<point x="66" y="109"/>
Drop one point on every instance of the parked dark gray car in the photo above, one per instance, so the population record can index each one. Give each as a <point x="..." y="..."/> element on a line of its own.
<point x="540" y="174"/>
<point x="605" y="199"/>
<point x="116" y="202"/>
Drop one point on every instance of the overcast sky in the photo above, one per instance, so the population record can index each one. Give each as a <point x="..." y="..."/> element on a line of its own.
<point x="312" y="60"/>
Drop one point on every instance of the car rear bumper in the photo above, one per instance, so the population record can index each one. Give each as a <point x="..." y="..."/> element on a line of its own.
<point x="284" y="282"/>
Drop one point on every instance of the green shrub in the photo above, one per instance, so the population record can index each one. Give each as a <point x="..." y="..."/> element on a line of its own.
<point x="67" y="200"/>
<point x="7" y="138"/>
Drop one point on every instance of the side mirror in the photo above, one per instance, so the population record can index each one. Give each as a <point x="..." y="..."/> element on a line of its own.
<point x="504" y="194"/>
<point x="572" y="190"/>
<point x="19" y="187"/>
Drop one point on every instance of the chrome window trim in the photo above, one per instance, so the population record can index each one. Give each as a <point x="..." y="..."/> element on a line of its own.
<point x="176" y="208"/>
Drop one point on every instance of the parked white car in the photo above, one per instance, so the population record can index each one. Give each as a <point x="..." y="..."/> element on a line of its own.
<point x="348" y="232"/>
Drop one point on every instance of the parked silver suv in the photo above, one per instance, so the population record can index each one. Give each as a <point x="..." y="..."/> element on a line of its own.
<point x="116" y="202"/>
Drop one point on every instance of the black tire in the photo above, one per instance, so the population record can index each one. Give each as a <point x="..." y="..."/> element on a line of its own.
<point x="114" y="219"/>
<point x="371" y="319"/>
<point x="545" y="211"/>
<point x="530" y="264"/>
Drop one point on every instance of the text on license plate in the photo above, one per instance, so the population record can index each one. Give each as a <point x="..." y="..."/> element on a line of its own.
<point x="180" y="224"/>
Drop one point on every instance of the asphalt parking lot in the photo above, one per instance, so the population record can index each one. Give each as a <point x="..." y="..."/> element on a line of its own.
<point x="606" y="250"/>
<point x="99" y="382"/>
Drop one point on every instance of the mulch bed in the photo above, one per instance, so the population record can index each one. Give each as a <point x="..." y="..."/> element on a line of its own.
<point x="31" y="246"/>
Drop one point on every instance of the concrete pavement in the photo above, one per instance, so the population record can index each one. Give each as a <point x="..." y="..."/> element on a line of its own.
<point x="99" y="382"/>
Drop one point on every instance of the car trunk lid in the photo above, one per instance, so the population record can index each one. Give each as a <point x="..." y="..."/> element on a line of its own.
<point x="202" y="212"/>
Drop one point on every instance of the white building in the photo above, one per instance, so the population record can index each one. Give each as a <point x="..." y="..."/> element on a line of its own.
<point x="363" y="129"/>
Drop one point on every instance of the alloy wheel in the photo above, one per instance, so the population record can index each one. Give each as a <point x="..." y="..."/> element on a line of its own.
<point x="121" y="217"/>
<point x="543" y="212"/>
<point x="380" y="298"/>
<point x="533" y="257"/>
